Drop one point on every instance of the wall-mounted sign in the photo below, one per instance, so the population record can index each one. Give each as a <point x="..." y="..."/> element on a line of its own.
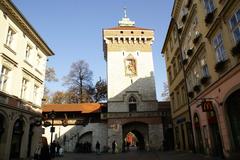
<point x="207" y="106"/>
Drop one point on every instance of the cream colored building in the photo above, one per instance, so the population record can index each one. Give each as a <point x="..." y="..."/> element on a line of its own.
<point x="208" y="56"/>
<point x="23" y="56"/>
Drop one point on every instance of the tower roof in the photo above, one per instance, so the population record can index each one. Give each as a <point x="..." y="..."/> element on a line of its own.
<point x="127" y="28"/>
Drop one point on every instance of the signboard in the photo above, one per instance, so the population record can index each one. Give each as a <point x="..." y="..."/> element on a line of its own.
<point x="207" y="106"/>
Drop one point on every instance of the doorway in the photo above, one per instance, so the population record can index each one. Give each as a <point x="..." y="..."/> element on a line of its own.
<point x="233" y="110"/>
<point x="18" y="130"/>
<point x="215" y="134"/>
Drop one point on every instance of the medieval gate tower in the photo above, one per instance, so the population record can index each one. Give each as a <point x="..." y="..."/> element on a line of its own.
<point x="132" y="104"/>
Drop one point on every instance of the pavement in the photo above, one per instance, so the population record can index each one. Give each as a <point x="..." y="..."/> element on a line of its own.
<point x="136" y="155"/>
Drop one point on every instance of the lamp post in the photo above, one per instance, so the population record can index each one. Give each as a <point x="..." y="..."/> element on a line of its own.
<point x="185" y="82"/>
<point x="52" y="115"/>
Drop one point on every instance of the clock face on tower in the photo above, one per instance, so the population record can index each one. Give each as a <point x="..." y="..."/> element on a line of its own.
<point x="130" y="66"/>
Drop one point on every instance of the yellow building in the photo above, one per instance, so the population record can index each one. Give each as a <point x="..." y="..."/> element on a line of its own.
<point x="23" y="56"/>
<point x="202" y="51"/>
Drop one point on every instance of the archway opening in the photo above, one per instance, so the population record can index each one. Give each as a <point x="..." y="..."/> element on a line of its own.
<point x="1" y="127"/>
<point x="84" y="143"/>
<point x="199" y="139"/>
<point x="135" y="136"/>
<point x="134" y="140"/>
<point x="18" y="130"/>
<point x="215" y="134"/>
<point x="233" y="110"/>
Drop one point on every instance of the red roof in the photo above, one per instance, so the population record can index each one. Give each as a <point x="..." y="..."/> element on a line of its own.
<point x="83" y="107"/>
<point x="127" y="28"/>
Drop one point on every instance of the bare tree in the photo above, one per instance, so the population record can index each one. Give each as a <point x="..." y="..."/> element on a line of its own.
<point x="100" y="90"/>
<point x="79" y="78"/>
<point x="165" y="93"/>
<point x="50" y="76"/>
<point x="58" y="97"/>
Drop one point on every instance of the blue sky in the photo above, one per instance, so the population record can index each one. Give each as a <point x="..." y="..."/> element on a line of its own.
<point x="73" y="30"/>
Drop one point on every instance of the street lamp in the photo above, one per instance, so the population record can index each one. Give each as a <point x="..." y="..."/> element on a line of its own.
<point x="185" y="81"/>
<point x="52" y="116"/>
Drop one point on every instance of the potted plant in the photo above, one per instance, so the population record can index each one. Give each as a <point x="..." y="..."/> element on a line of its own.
<point x="209" y="17"/>
<point x="204" y="79"/>
<point x="184" y="18"/>
<point x="219" y="67"/>
<point x="236" y="49"/>
<point x="185" y="60"/>
<point x="196" y="38"/>
<point x="190" y="52"/>
<point x="191" y="94"/>
<point x="196" y="88"/>
<point x="180" y="30"/>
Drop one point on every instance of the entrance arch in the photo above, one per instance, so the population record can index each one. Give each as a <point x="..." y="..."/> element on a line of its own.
<point x="217" y="147"/>
<point x="199" y="139"/>
<point x="139" y="131"/>
<point x="2" y="120"/>
<point x="18" y="130"/>
<point x="233" y="112"/>
<point x="84" y="143"/>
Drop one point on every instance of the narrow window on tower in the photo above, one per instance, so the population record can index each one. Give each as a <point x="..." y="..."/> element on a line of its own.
<point x="132" y="103"/>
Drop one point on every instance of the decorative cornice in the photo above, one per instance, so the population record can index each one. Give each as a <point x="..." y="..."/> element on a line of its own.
<point x="26" y="26"/>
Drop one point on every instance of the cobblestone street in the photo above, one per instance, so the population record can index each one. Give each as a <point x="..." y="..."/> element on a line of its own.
<point x="135" y="156"/>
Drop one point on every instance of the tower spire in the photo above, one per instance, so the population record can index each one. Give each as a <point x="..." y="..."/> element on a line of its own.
<point x="125" y="20"/>
<point x="125" y="12"/>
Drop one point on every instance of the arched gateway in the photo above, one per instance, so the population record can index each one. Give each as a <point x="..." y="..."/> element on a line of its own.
<point x="233" y="112"/>
<point x="135" y="134"/>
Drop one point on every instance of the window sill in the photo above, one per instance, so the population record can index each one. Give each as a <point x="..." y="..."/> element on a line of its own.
<point x="26" y="61"/>
<point x="39" y="71"/>
<point x="10" y="49"/>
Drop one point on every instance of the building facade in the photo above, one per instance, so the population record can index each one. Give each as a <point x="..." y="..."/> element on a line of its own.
<point x="23" y="56"/>
<point x="203" y="39"/>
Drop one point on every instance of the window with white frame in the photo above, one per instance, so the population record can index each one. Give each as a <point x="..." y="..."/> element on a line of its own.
<point x="196" y="75"/>
<point x="24" y="88"/>
<point x="28" y="52"/>
<point x="190" y="81"/>
<point x="209" y="6"/>
<point x="10" y="37"/>
<point x="235" y="25"/>
<point x="4" y="78"/>
<point x="204" y="67"/>
<point x="219" y="48"/>
<point x="35" y="93"/>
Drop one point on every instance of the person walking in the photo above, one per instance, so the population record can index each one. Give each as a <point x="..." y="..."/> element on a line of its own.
<point x="44" y="154"/>
<point x="98" y="147"/>
<point x="113" y="146"/>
